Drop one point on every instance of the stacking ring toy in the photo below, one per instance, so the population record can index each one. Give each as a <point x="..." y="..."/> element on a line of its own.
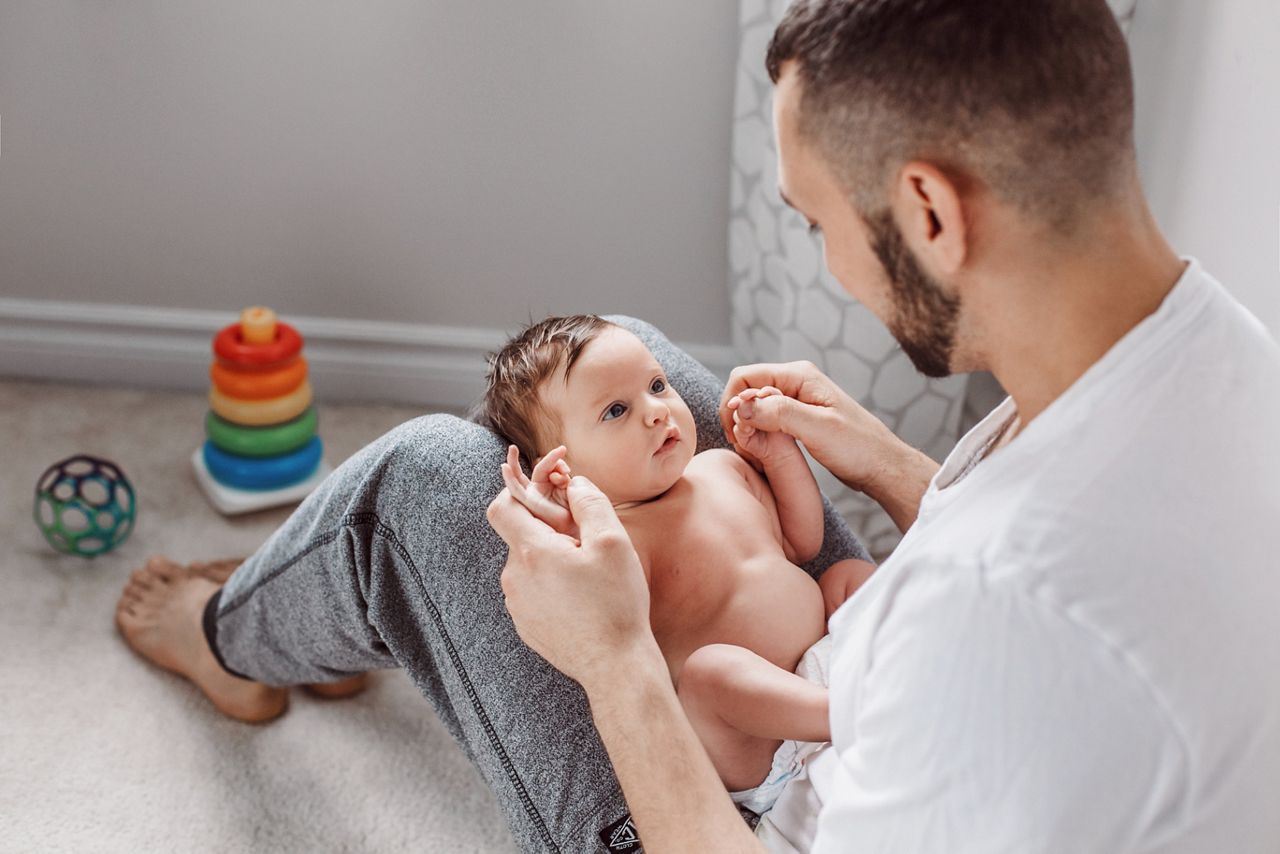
<point x="258" y="385"/>
<point x="263" y="473"/>
<point x="257" y="413"/>
<point x="230" y="346"/>
<point x="260" y="441"/>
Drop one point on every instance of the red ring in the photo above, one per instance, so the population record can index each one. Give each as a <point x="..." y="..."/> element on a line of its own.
<point x="229" y="346"/>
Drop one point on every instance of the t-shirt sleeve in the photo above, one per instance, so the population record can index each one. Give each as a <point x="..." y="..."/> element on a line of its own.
<point x="980" y="717"/>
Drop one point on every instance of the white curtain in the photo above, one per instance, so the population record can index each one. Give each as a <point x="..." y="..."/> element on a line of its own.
<point x="787" y="307"/>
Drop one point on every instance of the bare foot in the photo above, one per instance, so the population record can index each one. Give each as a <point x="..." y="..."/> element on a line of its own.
<point x="159" y="615"/>
<point x="220" y="570"/>
<point x="348" y="687"/>
<point x="217" y="571"/>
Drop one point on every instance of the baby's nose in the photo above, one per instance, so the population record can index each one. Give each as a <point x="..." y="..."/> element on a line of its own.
<point x="658" y="412"/>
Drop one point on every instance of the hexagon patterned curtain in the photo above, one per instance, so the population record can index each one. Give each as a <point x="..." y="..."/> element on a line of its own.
<point x="786" y="306"/>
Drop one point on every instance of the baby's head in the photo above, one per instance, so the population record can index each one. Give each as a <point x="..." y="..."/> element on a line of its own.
<point x="592" y="386"/>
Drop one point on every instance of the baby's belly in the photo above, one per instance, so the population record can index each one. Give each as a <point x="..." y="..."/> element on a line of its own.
<point x="769" y="606"/>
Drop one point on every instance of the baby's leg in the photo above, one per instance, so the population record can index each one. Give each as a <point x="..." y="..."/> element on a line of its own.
<point x="742" y="706"/>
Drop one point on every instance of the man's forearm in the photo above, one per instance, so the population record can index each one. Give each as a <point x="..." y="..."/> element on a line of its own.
<point x="676" y="798"/>
<point x="900" y="482"/>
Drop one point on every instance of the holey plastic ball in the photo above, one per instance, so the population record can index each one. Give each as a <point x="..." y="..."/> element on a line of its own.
<point x="84" y="505"/>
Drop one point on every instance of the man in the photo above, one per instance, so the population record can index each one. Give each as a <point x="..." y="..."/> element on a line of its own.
<point x="1074" y="648"/>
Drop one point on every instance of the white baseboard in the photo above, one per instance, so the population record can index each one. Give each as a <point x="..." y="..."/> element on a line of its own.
<point x="436" y="367"/>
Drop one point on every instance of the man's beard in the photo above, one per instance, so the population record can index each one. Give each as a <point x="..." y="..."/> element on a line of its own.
<point x="924" y="317"/>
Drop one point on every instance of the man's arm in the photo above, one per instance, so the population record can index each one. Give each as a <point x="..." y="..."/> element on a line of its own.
<point x="676" y="798"/>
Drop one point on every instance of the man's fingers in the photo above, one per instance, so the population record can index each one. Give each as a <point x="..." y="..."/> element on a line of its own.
<point x="513" y="522"/>
<point x="775" y="413"/>
<point x="592" y="511"/>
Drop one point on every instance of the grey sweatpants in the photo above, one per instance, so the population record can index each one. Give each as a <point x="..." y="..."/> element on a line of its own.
<point x="392" y="563"/>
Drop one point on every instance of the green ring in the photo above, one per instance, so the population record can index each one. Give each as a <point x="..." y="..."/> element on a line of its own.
<point x="260" y="441"/>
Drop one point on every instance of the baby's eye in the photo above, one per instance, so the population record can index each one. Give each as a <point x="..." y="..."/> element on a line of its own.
<point x="615" y="411"/>
<point x="658" y="387"/>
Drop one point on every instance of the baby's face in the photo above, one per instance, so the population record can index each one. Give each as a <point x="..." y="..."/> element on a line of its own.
<point x="625" y="429"/>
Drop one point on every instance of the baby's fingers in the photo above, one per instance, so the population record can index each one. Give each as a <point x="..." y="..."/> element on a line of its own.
<point x="515" y="486"/>
<point x="548" y="464"/>
<point x="513" y="460"/>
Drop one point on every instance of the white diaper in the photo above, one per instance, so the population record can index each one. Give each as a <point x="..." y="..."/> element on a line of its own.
<point x="790" y="757"/>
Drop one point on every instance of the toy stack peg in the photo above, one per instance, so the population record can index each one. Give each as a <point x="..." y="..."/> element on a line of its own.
<point x="261" y="448"/>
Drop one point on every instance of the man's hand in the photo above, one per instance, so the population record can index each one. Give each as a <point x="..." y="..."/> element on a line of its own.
<point x="841" y="580"/>
<point x="760" y="447"/>
<point x="844" y="438"/>
<point x="544" y="494"/>
<point x="582" y="604"/>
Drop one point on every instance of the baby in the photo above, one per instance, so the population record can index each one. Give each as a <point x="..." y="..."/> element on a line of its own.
<point x="738" y="622"/>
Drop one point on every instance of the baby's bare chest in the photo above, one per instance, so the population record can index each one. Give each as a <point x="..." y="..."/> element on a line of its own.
<point x="718" y="574"/>
<point x="710" y="519"/>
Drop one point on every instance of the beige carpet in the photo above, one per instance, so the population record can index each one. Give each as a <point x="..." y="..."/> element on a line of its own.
<point x="100" y="751"/>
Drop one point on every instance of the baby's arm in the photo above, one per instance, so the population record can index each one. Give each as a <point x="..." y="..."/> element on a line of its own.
<point x="740" y="704"/>
<point x="795" y="491"/>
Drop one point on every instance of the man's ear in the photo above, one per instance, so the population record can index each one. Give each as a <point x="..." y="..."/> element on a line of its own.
<point x="933" y="218"/>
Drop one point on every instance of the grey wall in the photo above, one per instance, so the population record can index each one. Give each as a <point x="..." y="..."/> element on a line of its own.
<point x="458" y="162"/>
<point x="1208" y="131"/>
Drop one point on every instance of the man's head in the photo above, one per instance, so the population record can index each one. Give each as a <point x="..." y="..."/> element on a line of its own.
<point x="901" y="122"/>
<point x="592" y="386"/>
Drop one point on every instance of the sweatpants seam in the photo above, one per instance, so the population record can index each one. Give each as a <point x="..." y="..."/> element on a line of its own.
<point x="507" y="765"/>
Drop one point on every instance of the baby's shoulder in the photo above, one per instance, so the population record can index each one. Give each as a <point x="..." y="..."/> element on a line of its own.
<point x="717" y="461"/>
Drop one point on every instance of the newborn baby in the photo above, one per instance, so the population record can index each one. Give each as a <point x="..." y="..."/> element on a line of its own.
<point x="734" y="615"/>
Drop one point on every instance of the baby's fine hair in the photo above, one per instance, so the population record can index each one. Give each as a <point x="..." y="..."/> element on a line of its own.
<point x="512" y="406"/>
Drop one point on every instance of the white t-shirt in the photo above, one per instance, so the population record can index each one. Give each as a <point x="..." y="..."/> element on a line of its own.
<point x="1076" y="648"/>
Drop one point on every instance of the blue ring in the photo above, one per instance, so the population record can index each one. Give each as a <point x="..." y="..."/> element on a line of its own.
<point x="263" y="472"/>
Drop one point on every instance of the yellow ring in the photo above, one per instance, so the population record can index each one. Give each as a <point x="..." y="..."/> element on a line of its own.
<point x="259" y="413"/>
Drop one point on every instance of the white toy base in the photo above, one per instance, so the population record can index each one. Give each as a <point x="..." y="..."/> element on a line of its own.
<point x="231" y="501"/>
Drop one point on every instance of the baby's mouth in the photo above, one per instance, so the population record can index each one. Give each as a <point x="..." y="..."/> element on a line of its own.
<point x="673" y="439"/>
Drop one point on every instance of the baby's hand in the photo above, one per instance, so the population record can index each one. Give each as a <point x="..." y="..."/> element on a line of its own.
<point x="762" y="446"/>
<point x="545" y="493"/>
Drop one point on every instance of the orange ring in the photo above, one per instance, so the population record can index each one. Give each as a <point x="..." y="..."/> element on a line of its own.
<point x="229" y="346"/>
<point x="258" y="385"/>
<point x="259" y="413"/>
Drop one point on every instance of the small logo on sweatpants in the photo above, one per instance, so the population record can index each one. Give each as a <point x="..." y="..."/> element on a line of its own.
<point x="622" y="836"/>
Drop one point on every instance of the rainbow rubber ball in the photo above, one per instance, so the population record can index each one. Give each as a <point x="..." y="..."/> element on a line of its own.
<point x="84" y="505"/>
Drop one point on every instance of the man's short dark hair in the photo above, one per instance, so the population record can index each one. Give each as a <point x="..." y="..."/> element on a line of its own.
<point x="1033" y="98"/>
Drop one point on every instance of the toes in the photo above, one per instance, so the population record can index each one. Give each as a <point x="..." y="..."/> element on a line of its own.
<point x="162" y="568"/>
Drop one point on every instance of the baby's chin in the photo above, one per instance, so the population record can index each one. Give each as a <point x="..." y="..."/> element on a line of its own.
<point x="652" y="490"/>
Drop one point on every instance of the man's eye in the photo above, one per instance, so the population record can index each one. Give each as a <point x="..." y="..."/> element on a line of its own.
<point x="658" y="387"/>
<point x="615" y="411"/>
